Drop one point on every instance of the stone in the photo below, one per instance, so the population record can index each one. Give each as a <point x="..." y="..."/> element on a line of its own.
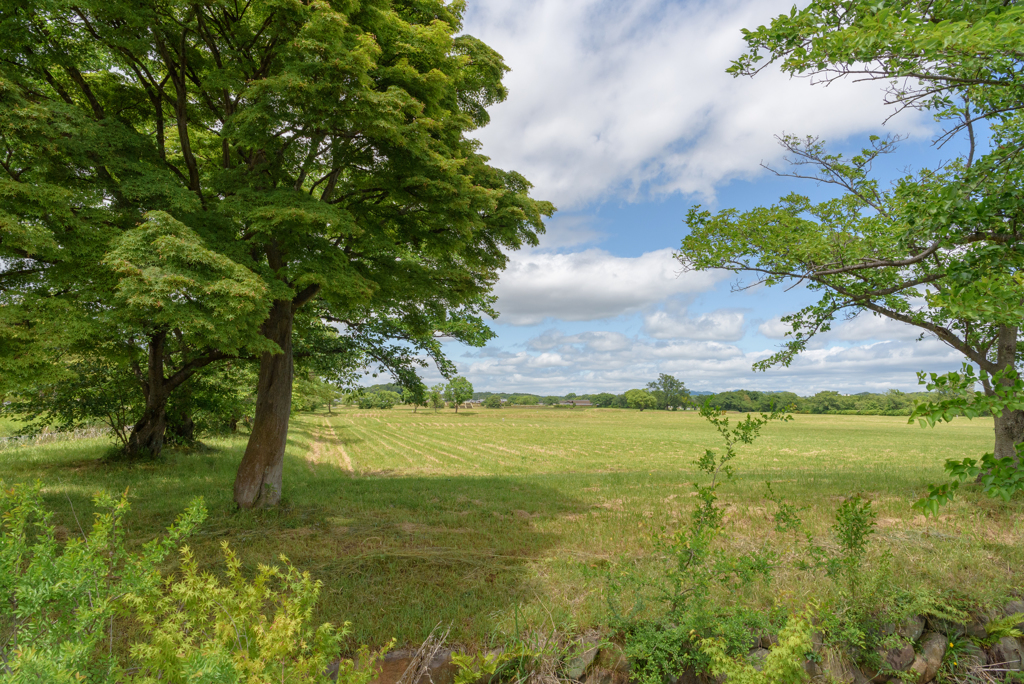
<point x="689" y="676"/>
<point x="976" y="629"/>
<point x="1007" y="654"/>
<point x="757" y="657"/>
<point x="952" y="630"/>
<point x="897" y="659"/>
<point x="440" y="670"/>
<point x="839" y="669"/>
<point x="971" y="654"/>
<point x="1015" y="607"/>
<point x="912" y="628"/>
<point x="769" y="641"/>
<point x="927" y="663"/>
<point x="585" y="652"/>
<point x="602" y="675"/>
<point x="612" y="657"/>
<point x="811" y="668"/>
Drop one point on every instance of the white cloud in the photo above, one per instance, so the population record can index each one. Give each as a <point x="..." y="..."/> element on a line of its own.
<point x="774" y="329"/>
<point x="866" y="326"/>
<point x="610" y="97"/>
<point x="564" y="231"/>
<point x="557" y="363"/>
<point x="724" y="325"/>
<point x="590" y="285"/>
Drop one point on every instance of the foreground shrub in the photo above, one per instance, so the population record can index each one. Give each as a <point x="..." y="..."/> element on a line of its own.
<point x="60" y="601"/>
<point x="63" y="605"/>
<point x="251" y="631"/>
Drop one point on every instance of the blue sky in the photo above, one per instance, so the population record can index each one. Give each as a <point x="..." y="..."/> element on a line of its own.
<point x="622" y="115"/>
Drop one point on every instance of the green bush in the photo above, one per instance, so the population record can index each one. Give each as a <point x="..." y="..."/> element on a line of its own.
<point x="378" y="400"/>
<point x="249" y="631"/>
<point x="59" y="603"/>
<point x="62" y="605"/>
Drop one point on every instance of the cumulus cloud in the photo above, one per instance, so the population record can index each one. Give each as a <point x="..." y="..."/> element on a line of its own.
<point x="724" y="325"/>
<point x="619" y="97"/>
<point x="590" y="285"/>
<point x="863" y="327"/>
<point x="564" y="231"/>
<point x="593" y="362"/>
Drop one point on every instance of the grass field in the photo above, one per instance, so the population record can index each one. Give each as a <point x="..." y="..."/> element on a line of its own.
<point x="490" y="518"/>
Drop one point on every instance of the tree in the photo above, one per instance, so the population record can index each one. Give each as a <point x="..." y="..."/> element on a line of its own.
<point x="829" y="401"/>
<point x="458" y="390"/>
<point x="382" y="399"/>
<point x="436" y="397"/>
<point x="603" y="400"/>
<point x="525" y="400"/>
<point x="552" y="400"/>
<point x="309" y="392"/>
<point x="668" y="391"/>
<point x="321" y="147"/>
<point x="639" y="399"/>
<point x="415" y="396"/>
<point x="493" y="401"/>
<point x="948" y="235"/>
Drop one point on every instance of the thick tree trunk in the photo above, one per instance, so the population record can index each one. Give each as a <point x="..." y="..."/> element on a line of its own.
<point x="258" y="482"/>
<point x="1009" y="427"/>
<point x="1009" y="433"/>
<point x="147" y="437"/>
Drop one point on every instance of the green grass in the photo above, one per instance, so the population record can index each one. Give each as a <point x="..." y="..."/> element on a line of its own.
<point x="8" y="426"/>
<point x="487" y="517"/>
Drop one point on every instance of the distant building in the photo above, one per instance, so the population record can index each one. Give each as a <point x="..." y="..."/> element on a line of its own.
<point x="576" y="402"/>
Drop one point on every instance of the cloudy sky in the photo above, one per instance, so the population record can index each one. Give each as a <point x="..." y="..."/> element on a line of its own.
<point x="623" y="116"/>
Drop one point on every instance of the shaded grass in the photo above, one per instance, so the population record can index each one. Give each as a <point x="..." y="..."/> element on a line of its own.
<point x="489" y="517"/>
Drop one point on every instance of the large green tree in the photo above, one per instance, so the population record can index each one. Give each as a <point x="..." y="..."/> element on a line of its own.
<point x="320" y="146"/>
<point x="941" y="250"/>
<point x="669" y="390"/>
<point x="458" y="390"/>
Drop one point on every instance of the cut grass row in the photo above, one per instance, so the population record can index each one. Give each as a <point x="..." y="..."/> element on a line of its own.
<point x="487" y="518"/>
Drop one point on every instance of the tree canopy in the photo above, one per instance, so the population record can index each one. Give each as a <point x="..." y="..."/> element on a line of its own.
<point x="240" y="170"/>
<point x="669" y="391"/>
<point x="941" y="249"/>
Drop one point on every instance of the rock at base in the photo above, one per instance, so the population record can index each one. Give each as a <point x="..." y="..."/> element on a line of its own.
<point x="587" y="649"/>
<point x="929" y="660"/>
<point x="1007" y="654"/>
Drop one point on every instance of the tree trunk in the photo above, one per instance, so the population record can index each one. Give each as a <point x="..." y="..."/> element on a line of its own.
<point x="1009" y="433"/>
<point x="183" y="428"/>
<point x="258" y="482"/>
<point x="1009" y="427"/>
<point x="147" y="437"/>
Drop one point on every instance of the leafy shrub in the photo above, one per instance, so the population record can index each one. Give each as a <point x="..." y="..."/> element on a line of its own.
<point x="62" y="605"/>
<point x="493" y="401"/>
<point x="59" y="605"/>
<point x="784" y="664"/>
<point x="694" y="563"/>
<point x="249" y="631"/>
<point x="378" y="400"/>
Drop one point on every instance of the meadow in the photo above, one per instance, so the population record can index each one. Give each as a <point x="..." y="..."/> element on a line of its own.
<point x="490" y="520"/>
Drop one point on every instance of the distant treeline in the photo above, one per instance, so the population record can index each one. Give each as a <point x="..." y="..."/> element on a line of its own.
<point x="891" y="403"/>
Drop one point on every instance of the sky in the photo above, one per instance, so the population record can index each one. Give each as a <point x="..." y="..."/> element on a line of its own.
<point x="622" y="115"/>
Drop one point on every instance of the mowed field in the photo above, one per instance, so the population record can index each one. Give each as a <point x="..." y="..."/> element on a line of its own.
<point x="494" y="519"/>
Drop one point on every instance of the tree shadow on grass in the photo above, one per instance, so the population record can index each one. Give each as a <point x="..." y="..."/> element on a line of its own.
<point x="396" y="555"/>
